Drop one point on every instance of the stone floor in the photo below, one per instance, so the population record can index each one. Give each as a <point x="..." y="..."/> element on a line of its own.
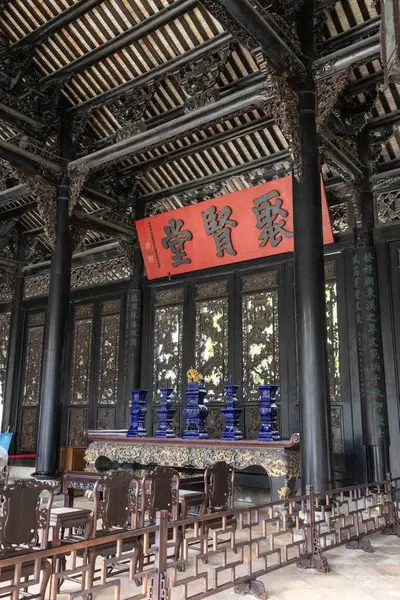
<point x="354" y="575"/>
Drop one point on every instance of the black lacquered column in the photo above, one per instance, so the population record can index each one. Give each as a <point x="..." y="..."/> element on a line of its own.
<point x="316" y="462"/>
<point x="48" y="443"/>
<point x="133" y="330"/>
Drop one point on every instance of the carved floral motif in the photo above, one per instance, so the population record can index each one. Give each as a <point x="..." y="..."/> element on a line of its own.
<point x="276" y="462"/>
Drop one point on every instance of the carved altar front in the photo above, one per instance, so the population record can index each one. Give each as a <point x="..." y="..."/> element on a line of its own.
<point x="280" y="460"/>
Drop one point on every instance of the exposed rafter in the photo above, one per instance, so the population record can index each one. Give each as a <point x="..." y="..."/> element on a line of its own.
<point x="142" y="29"/>
<point x="353" y="35"/>
<point x="344" y="58"/>
<point x="233" y="104"/>
<point x="70" y="14"/>
<point x="261" y="163"/>
<point x="170" y="66"/>
<point x="201" y="145"/>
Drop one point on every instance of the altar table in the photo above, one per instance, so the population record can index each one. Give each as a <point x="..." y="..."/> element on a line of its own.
<point x="280" y="460"/>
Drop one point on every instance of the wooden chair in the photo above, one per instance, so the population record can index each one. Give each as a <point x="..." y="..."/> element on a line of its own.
<point x="160" y="491"/>
<point x="219" y="485"/>
<point x="116" y="497"/>
<point x="24" y="527"/>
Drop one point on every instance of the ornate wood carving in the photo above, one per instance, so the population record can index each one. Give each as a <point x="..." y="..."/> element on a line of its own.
<point x="198" y="80"/>
<point x="169" y="296"/>
<point x="209" y="290"/>
<point x="388" y="206"/>
<point x="260" y="281"/>
<point x="329" y="90"/>
<point x="283" y="106"/>
<point x="340" y="217"/>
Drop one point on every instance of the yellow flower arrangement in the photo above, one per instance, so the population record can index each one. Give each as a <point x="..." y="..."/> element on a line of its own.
<point x="194" y="376"/>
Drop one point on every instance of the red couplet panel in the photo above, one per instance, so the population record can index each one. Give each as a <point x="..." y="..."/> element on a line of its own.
<point x="241" y="226"/>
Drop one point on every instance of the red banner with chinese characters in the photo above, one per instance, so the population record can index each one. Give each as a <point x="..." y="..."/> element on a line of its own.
<point x="241" y="226"/>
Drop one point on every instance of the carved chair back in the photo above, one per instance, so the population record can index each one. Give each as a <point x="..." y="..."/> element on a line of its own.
<point x="160" y="492"/>
<point x="219" y="481"/>
<point x="26" y="515"/>
<point x="116" y="501"/>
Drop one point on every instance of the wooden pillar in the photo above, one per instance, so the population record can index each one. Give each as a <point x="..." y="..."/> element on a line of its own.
<point x="369" y="333"/>
<point x="133" y="330"/>
<point x="14" y="345"/>
<point x="48" y="444"/>
<point x="316" y="465"/>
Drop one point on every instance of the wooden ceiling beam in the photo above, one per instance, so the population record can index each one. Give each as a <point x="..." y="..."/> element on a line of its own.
<point x="170" y="66"/>
<point x="92" y="222"/>
<point x="128" y="37"/>
<point x="342" y="59"/>
<point x="31" y="163"/>
<point x="201" y="145"/>
<point x="72" y="13"/>
<point x="14" y="193"/>
<point x="260" y="163"/>
<point x="355" y="34"/>
<point x="13" y="213"/>
<point x="211" y="113"/>
<point x="389" y="119"/>
<point x="362" y="84"/>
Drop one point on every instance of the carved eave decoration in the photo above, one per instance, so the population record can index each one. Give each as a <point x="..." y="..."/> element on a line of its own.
<point x="78" y="174"/>
<point x="199" y="80"/>
<point x="19" y="90"/>
<point x="329" y="91"/>
<point x="283" y="106"/>
<point x="45" y="194"/>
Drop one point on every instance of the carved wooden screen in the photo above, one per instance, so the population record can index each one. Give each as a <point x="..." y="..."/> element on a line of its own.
<point x="333" y="358"/>
<point x="96" y="368"/>
<point x="168" y="348"/>
<point x="80" y="375"/>
<point x="4" y="339"/>
<point x="260" y="342"/>
<point x="32" y="378"/>
<point x="211" y="348"/>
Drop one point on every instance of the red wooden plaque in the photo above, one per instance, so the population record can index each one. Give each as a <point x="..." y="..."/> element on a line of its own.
<point x="241" y="226"/>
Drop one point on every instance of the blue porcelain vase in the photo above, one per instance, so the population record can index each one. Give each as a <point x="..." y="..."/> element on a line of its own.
<point x="138" y="414"/>
<point x="231" y="415"/>
<point x="165" y="415"/>
<point x="267" y="408"/>
<point x="195" y="412"/>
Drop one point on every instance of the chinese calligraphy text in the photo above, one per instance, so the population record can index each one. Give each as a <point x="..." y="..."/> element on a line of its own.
<point x="252" y="223"/>
<point x="218" y="224"/>
<point x="175" y="241"/>
<point x="271" y="219"/>
<point x="369" y="347"/>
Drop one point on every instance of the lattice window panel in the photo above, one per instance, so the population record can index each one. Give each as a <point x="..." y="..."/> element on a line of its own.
<point x="260" y="338"/>
<point x="332" y="341"/>
<point x="340" y="217"/>
<point x="388" y="206"/>
<point x="27" y="431"/>
<point x="212" y="345"/>
<point x="167" y="349"/>
<point x="4" y="339"/>
<point x="109" y="352"/>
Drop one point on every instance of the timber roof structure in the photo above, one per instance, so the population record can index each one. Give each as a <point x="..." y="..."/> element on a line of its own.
<point x="169" y="102"/>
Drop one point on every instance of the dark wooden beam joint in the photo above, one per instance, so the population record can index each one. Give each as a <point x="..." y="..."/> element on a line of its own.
<point x="254" y="31"/>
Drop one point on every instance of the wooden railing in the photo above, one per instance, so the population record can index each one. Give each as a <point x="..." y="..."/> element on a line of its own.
<point x="221" y="550"/>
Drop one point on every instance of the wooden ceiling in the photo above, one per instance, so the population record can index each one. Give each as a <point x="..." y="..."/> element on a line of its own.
<point x="120" y="67"/>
